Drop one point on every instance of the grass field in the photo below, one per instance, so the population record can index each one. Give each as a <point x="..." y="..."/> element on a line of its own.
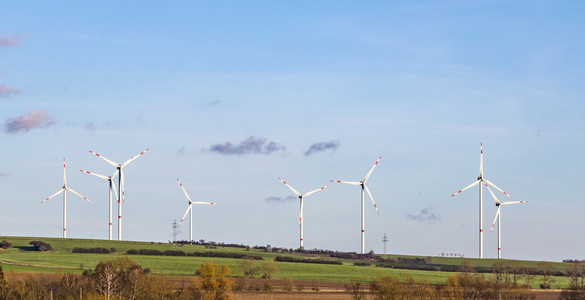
<point x="21" y="258"/>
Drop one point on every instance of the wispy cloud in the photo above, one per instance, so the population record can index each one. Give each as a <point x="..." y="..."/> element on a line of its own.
<point x="11" y="41"/>
<point x="322" y="146"/>
<point x="426" y="215"/>
<point x="181" y="151"/>
<point x="251" y="145"/>
<point x="6" y="91"/>
<point x="280" y="199"/>
<point x="37" y="118"/>
<point x="212" y="103"/>
<point x="90" y="127"/>
<point x="4" y="175"/>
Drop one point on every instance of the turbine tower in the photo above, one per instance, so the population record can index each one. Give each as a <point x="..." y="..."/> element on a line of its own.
<point x="301" y="196"/>
<point x="499" y="218"/>
<point x="364" y="187"/>
<point x="64" y="190"/>
<point x="482" y="180"/>
<point x="120" y="167"/>
<point x="112" y="187"/>
<point x="190" y="209"/>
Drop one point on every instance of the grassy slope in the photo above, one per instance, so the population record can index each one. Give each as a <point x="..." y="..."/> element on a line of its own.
<point x="63" y="260"/>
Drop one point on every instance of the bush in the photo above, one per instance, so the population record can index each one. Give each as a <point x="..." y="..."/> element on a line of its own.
<point x="213" y="282"/>
<point x="310" y="261"/>
<point x="196" y="254"/>
<point x="267" y="286"/>
<point x="5" y="245"/>
<point x="91" y="250"/>
<point x="41" y="246"/>
<point x="288" y="285"/>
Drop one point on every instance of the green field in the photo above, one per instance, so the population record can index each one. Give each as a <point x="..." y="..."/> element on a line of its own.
<point x="62" y="260"/>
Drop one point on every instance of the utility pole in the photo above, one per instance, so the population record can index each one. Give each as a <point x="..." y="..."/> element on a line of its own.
<point x="175" y="231"/>
<point x="385" y="240"/>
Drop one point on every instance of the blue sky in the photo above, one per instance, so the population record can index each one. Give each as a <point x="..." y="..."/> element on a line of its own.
<point x="420" y="83"/>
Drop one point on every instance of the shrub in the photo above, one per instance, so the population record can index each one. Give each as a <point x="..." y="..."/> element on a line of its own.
<point x="41" y="246"/>
<point x="213" y="282"/>
<point x="310" y="261"/>
<point x="196" y="254"/>
<point x="5" y="245"/>
<point x="91" y="250"/>
<point x="267" y="286"/>
<point x="288" y="285"/>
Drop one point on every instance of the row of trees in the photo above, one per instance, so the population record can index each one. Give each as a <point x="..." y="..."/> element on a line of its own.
<point x="195" y="254"/>
<point x="457" y="286"/>
<point x="121" y="278"/>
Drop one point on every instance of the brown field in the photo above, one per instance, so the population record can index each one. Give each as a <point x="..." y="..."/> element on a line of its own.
<point x="253" y="288"/>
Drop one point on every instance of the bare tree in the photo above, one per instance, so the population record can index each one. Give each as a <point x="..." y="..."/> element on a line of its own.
<point x="547" y="269"/>
<point x="577" y="273"/>
<point x="248" y="267"/>
<point x="355" y="288"/>
<point x="107" y="280"/>
<point x="268" y="269"/>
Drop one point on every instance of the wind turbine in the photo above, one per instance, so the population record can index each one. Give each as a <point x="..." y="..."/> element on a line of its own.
<point x="301" y="196"/>
<point x="120" y="185"/>
<point x="364" y="187"/>
<point x="112" y="186"/>
<point x="499" y="218"/>
<point x="190" y="209"/>
<point x="64" y="190"/>
<point x="482" y="180"/>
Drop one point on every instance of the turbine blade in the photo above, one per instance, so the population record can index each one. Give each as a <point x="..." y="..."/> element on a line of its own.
<point x="95" y="174"/>
<point x="481" y="161"/>
<point x="186" y="212"/>
<point x="290" y="187"/>
<point x="370" y="194"/>
<point x="184" y="191"/>
<point x="476" y="182"/>
<point x="496" y="218"/>
<point x="312" y="192"/>
<point x="213" y="203"/>
<point x="123" y="191"/>
<point x="348" y="182"/>
<point x="491" y="192"/>
<point x="64" y="173"/>
<point x="55" y="194"/>
<point x="134" y="157"/>
<point x="497" y="188"/>
<point x="78" y="194"/>
<point x="109" y="161"/>
<point x="514" y="202"/>
<point x="372" y="169"/>
<point x="116" y="173"/>
<point x="115" y="191"/>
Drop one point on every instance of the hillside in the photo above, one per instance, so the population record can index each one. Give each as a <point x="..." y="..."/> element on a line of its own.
<point x="21" y="257"/>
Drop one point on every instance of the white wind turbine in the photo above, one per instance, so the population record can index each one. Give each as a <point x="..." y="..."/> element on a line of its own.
<point x="364" y="187"/>
<point x="64" y="190"/>
<point x="480" y="179"/>
<point x="190" y="209"/>
<point x="120" y="167"/>
<point x="499" y="218"/>
<point x="112" y="186"/>
<point x="301" y="196"/>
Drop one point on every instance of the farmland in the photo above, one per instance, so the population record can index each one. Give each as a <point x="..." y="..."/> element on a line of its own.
<point x="21" y="258"/>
